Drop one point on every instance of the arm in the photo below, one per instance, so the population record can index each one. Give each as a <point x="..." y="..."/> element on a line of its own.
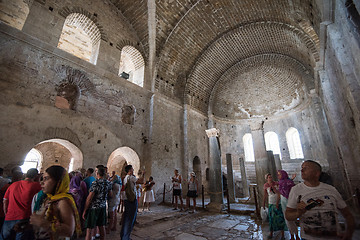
<point x="5" y="205"/>
<point x="291" y="214"/>
<point x="350" y="223"/>
<point x="67" y="225"/>
<point x="265" y="197"/>
<point x="87" y="203"/>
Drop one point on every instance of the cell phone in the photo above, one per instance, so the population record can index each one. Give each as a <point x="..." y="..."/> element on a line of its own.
<point x="314" y="204"/>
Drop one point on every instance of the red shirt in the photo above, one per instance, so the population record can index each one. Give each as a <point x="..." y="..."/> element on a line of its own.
<point x="19" y="196"/>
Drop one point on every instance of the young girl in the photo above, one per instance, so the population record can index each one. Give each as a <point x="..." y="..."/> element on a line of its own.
<point x="192" y="191"/>
<point x="149" y="193"/>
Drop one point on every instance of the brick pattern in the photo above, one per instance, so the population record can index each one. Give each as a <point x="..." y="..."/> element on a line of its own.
<point x="243" y="43"/>
<point x="210" y="35"/>
<point x="259" y="86"/>
<point x="14" y="13"/>
<point x="89" y="24"/>
<point x="136" y="13"/>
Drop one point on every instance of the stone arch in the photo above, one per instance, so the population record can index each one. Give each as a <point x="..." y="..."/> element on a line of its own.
<point x="81" y="37"/>
<point x="14" y="13"/>
<point x="67" y="96"/>
<point x="59" y="152"/>
<point x="197" y="169"/>
<point x="120" y="156"/>
<point x="132" y="65"/>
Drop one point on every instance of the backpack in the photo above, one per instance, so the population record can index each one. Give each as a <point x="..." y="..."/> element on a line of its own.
<point x="129" y="191"/>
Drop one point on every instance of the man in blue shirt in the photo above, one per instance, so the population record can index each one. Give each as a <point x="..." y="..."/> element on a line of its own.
<point x="89" y="178"/>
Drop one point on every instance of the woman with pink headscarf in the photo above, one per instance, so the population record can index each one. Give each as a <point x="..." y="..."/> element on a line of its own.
<point x="285" y="185"/>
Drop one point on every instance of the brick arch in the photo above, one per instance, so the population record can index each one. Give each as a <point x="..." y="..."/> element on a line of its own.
<point x="88" y="26"/>
<point x="77" y="77"/>
<point x="259" y="86"/>
<point x="241" y="43"/>
<point x="123" y="43"/>
<point x="62" y="133"/>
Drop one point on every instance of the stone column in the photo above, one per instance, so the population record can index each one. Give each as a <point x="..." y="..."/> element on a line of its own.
<point x="261" y="157"/>
<point x="215" y="181"/>
<point x="243" y="177"/>
<point x="230" y="178"/>
<point x="277" y="162"/>
<point x="272" y="165"/>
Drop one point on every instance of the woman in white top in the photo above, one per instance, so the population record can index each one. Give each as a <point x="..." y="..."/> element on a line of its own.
<point x="149" y="193"/>
<point x="276" y="216"/>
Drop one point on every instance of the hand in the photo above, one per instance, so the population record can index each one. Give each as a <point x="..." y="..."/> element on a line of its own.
<point x="83" y="215"/>
<point x="37" y="220"/>
<point x="300" y="208"/>
<point x="277" y="206"/>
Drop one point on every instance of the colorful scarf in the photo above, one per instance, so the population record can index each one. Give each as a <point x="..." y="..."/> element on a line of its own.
<point x="285" y="184"/>
<point x="62" y="192"/>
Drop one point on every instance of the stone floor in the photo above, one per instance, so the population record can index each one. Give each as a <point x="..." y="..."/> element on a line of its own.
<point x="162" y="222"/>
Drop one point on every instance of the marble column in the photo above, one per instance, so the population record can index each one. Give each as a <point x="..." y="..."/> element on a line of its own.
<point x="243" y="177"/>
<point x="215" y="181"/>
<point x="261" y="156"/>
<point x="230" y="178"/>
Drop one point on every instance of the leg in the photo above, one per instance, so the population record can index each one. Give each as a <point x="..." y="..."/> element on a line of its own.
<point x="88" y="233"/>
<point x="129" y="219"/>
<point x="102" y="232"/>
<point x="176" y="202"/>
<point x="194" y="202"/>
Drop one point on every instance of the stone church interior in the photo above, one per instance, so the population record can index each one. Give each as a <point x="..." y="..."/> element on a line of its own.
<point x="227" y="89"/>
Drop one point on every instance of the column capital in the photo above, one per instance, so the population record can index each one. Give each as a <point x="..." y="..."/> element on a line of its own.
<point x="212" y="132"/>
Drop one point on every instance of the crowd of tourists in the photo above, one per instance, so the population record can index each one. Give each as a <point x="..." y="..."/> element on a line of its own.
<point x="56" y="204"/>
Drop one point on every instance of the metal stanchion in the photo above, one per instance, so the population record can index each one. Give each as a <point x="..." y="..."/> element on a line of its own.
<point x="202" y="196"/>
<point x="256" y="201"/>
<point x="228" y="199"/>
<point x="164" y="193"/>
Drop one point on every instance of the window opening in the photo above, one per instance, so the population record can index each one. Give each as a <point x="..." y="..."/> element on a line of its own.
<point x="294" y="143"/>
<point x="32" y="160"/>
<point x="248" y="148"/>
<point x="132" y="65"/>
<point x="81" y="37"/>
<point x="272" y="143"/>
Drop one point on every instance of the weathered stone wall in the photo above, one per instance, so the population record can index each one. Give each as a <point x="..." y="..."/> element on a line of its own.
<point x="30" y="73"/>
<point x="340" y="91"/>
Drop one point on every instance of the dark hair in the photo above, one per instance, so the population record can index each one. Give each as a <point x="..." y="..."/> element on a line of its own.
<point x="100" y="166"/>
<point x="316" y="164"/>
<point x="151" y="178"/>
<point x="91" y="170"/>
<point x="17" y="176"/>
<point x="32" y="173"/>
<point x="127" y="168"/>
<point x="16" y="169"/>
<point x="101" y="171"/>
<point x="56" y="172"/>
<point x="1" y="171"/>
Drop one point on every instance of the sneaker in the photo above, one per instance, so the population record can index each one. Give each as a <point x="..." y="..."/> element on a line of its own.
<point x="175" y="209"/>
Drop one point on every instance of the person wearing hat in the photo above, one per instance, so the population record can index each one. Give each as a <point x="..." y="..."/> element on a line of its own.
<point x="192" y="191"/>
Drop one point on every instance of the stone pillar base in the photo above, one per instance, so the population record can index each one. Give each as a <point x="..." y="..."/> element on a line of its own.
<point x="216" y="207"/>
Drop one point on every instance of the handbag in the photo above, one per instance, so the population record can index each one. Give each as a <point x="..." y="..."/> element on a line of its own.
<point x="264" y="214"/>
<point x="129" y="191"/>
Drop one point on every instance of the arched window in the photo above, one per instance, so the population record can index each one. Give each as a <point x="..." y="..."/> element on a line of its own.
<point x="32" y="160"/>
<point x="81" y="37"/>
<point x="294" y="143"/>
<point x="248" y="148"/>
<point x="132" y="65"/>
<point x="272" y="143"/>
<point x="14" y="13"/>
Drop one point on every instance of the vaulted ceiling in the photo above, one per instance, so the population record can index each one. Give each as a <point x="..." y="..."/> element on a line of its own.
<point x="239" y="59"/>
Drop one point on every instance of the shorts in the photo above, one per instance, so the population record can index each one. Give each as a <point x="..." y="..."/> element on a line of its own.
<point x="95" y="217"/>
<point x="177" y="192"/>
<point x="191" y="194"/>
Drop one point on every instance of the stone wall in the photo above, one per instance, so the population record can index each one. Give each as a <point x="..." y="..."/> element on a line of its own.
<point x="340" y="91"/>
<point x="31" y="71"/>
